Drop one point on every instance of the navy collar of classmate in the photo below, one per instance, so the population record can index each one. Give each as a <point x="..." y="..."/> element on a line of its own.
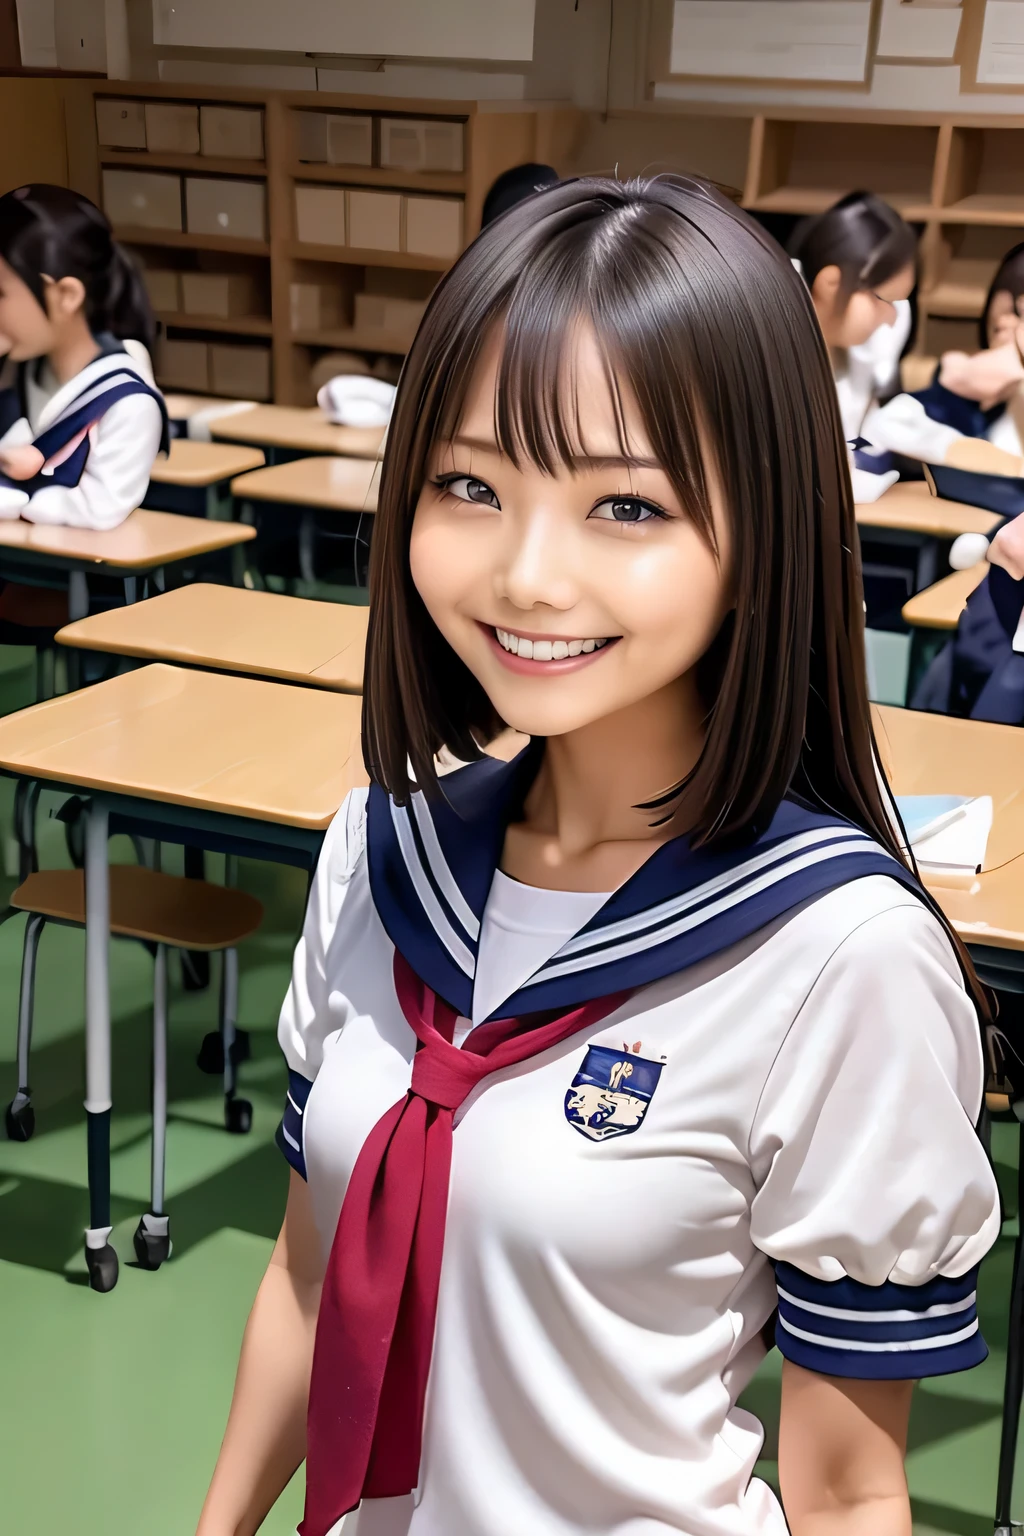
<point x="110" y="377"/>
<point x="431" y="865"/>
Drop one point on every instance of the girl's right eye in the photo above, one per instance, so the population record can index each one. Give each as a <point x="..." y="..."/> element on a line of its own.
<point x="468" y="488"/>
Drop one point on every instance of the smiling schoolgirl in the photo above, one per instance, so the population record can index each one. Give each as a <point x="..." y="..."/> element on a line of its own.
<point x="599" y="1057"/>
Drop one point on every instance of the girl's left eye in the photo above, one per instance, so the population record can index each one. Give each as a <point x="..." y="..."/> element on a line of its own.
<point x="626" y="509"/>
<point x="467" y="488"/>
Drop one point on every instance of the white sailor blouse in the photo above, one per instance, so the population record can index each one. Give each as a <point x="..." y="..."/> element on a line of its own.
<point x="779" y="1117"/>
<point x="99" y="434"/>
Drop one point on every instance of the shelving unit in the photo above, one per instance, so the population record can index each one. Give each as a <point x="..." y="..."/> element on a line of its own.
<point x="955" y="177"/>
<point x="495" y="136"/>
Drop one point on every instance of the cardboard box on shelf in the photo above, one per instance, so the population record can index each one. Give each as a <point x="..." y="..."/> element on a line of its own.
<point x="380" y="312"/>
<point x="311" y="137"/>
<point x="320" y="215"/>
<point x="429" y="144"/>
<point x="223" y="294"/>
<point x="164" y="288"/>
<point x="375" y="220"/>
<point x="314" y="306"/>
<point x="218" y="206"/>
<point x="183" y="365"/>
<point x="121" y="124"/>
<point x="145" y="199"/>
<point x="172" y="128"/>
<point x="433" y="226"/>
<point x="349" y="139"/>
<point x="234" y="132"/>
<point x="240" y="371"/>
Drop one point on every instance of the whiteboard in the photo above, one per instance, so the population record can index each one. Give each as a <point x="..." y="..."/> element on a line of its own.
<point x="427" y="29"/>
<point x="772" y="39"/>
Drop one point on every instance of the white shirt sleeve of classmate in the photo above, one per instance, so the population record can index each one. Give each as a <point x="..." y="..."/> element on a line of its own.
<point x="875" y="1197"/>
<point x="124" y="445"/>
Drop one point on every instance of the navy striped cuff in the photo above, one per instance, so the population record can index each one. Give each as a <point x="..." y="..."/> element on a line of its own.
<point x="289" y="1132"/>
<point x="884" y="1332"/>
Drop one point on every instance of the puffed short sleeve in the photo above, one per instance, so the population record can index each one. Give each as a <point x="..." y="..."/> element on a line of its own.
<point x="875" y="1198"/>
<point x="306" y="1017"/>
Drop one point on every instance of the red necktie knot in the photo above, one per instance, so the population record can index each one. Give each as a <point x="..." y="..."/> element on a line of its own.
<point x="444" y="1075"/>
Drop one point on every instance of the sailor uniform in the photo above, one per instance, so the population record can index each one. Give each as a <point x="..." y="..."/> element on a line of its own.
<point x="769" y="1104"/>
<point x="871" y="371"/>
<point x="99" y="434"/>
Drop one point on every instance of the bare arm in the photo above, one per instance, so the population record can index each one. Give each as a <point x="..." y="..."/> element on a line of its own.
<point x="265" y="1439"/>
<point x="841" y="1450"/>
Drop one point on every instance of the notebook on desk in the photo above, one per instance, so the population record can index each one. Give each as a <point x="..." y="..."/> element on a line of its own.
<point x="948" y="834"/>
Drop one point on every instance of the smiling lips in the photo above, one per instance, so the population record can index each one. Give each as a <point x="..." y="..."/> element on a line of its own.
<point x="530" y="655"/>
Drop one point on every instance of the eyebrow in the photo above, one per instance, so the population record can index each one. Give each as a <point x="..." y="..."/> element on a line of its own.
<point x="593" y="461"/>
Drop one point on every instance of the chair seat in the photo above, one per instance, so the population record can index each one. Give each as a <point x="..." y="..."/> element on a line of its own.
<point x="145" y="904"/>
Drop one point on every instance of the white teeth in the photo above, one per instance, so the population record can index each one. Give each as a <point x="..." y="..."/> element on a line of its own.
<point x="544" y="650"/>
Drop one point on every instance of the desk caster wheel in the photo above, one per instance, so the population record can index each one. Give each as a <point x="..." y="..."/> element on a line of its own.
<point x="152" y="1248"/>
<point x="102" y="1266"/>
<point x="238" y="1116"/>
<point x="20" y="1118"/>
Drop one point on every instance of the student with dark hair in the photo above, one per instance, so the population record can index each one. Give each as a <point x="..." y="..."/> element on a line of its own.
<point x="81" y="420"/>
<point x="512" y="186"/>
<point x="858" y="259"/>
<point x="599" y="1057"/>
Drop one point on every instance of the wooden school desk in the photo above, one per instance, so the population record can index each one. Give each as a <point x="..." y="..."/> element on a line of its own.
<point x="195" y="478"/>
<point x="908" y="514"/>
<point x="307" y="494"/>
<point x="934" y="613"/>
<point x="286" y="432"/>
<point x="144" y="544"/>
<point x="227" y="763"/>
<point x="232" y="629"/>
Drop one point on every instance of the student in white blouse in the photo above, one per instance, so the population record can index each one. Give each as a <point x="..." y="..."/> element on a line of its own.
<point x="599" y="1058"/>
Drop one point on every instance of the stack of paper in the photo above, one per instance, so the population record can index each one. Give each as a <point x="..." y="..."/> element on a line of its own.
<point x="948" y="833"/>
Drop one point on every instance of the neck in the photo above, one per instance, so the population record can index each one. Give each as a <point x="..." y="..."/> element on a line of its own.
<point x="591" y="779"/>
<point x="74" y="350"/>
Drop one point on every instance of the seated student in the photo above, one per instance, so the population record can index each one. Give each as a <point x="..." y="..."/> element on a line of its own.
<point x="858" y="260"/>
<point x="81" y="420"/>
<point x="512" y="186"/>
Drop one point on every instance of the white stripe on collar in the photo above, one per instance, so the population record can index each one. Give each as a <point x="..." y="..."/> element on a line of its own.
<point x="563" y="964"/>
<point x="459" y="951"/>
<point x="91" y="375"/>
<point x="676" y="905"/>
<point x="439" y="868"/>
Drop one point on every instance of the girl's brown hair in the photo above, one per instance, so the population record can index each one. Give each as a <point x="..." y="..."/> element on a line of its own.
<point x="702" y="319"/>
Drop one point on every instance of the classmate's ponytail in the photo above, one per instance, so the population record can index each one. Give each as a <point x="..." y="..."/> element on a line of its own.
<point x="48" y="231"/>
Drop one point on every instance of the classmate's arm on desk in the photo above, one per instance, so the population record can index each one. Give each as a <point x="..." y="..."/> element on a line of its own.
<point x="265" y="1440"/>
<point x="116" y="474"/>
<point x="841" y="1449"/>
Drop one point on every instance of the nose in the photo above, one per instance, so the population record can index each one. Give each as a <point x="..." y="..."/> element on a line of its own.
<point x="537" y="566"/>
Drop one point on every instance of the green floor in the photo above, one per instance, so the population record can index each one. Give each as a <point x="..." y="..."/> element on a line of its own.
<point x="114" y="1405"/>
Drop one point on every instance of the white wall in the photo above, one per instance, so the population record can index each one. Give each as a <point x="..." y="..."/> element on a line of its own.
<point x="35" y="34"/>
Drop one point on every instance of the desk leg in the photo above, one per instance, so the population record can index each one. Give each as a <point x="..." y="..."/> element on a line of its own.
<point x="1014" y="1387"/>
<point x="307" y="545"/>
<point x="927" y="564"/>
<point x="78" y="608"/>
<point x="100" y="1256"/>
<point x="131" y="590"/>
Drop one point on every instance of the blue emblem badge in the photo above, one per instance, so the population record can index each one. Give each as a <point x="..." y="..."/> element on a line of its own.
<point x="610" y="1093"/>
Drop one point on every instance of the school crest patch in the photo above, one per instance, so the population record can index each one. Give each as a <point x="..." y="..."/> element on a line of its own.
<point x="611" y="1091"/>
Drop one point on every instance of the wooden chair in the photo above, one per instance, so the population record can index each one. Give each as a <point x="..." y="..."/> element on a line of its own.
<point x="164" y="911"/>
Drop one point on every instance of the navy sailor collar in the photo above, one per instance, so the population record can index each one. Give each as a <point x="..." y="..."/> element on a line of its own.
<point x="431" y="865"/>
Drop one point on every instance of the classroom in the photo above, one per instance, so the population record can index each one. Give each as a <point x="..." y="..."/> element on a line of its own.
<point x="512" y="767"/>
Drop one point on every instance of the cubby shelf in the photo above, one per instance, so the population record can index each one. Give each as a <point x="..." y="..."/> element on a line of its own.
<point x="954" y="299"/>
<point x="452" y="182"/>
<point x="199" y="165"/>
<point x="349" y="256"/>
<point x="238" y="325"/>
<point x="184" y="241"/>
<point x="351" y="339"/>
